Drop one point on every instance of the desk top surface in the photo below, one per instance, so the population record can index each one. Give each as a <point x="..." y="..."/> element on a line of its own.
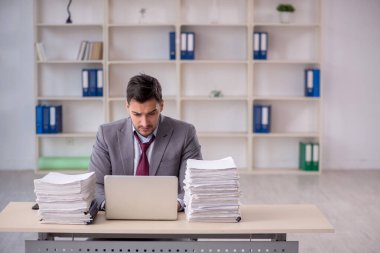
<point x="256" y="219"/>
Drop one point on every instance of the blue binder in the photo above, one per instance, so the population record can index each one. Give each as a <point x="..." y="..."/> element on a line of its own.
<point x="85" y="83"/>
<point x="58" y="116"/>
<point x="99" y="82"/>
<point x="190" y="46"/>
<point x="265" y="118"/>
<point x="45" y="119"/>
<point x="55" y="119"/>
<point x="263" y="46"/>
<point x="257" y="118"/>
<point x="183" y="45"/>
<point x="316" y="81"/>
<point x="256" y="45"/>
<point x="172" y="45"/>
<point x="312" y="82"/>
<point x="262" y="118"/>
<point x="39" y="119"/>
<point x="92" y="82"/>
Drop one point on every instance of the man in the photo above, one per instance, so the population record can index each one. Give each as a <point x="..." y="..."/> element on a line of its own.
<point x="145" y="143"/>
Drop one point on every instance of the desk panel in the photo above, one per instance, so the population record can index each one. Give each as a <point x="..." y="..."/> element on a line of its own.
<point x="256" y="219"/>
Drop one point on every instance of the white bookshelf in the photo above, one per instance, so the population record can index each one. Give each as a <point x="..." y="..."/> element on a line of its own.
<point x="135" y="43"/>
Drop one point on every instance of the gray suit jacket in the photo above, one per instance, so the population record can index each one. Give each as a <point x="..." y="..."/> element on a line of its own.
<point x="113" y="152"/>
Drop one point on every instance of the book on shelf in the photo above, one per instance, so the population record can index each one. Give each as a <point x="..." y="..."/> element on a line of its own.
<point x="262" y="118"/>
<point x="172" y="45"/>
<point x="312" y="82"/>
<point x="40" y="50"/>
<point x="90" y="50"/>
<point x="92" y="82"/>
<point x="82" y="49"/>
<point x="48" y="119"/>
<point x="187" y="45"/>
<point x="260" y="45"/>
<point x="309" y="156"/>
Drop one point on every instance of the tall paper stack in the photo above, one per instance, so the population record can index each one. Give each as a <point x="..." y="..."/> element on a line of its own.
<point x="212" y="191"/>
<point x="66" y="199"/>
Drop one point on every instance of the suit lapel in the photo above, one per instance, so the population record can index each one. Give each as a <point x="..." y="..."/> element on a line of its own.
<point x="126" y="145"/>
<point x="164" y="134"/>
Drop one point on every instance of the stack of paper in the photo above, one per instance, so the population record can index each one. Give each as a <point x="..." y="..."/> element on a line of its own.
<point x="212" y="191"/>
<point x="66" y="199"/>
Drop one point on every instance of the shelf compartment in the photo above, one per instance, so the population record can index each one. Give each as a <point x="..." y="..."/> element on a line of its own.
<point x="280" y="80"/>
<point x="286" y="135"/>
<point x="216" y="116"/>
<point x="129" y="12"/>
<point x="307" y="12"/>
<point x="69" y="62"/>
<point x="221" y="135"/>
<point x="291" y="25"/>
<point x="63" y="163"/>
<point x="47" y="25"/>
<point x="79" y="116"/>
<point x="120" y="74"/>
<point x="68" y="135"/>
<point x="219" y="43"/>
<point x="66" y="147"/>
<point x="62" y="81"/>
<point x="62" y="45"/>
<point x="73" y="98"/>
<point x="277" y="153"/>
<point x="270" y="62"/>
<point x="221" y="147"/>
<point x="219" y="62"/>
<point x="129" y="62"/>
<point x="293" y="116"/>
<point x="139" y="43"/>
<point x="287" y="98"/>
<point x="200" y="80"/>
<point x="288" y="44"/>
<point x="82" y="12"/>
<point x="211" y="99"/>
<point x="216" y="12"/>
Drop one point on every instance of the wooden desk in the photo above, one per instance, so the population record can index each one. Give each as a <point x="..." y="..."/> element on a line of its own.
<point x="258" y="222"/>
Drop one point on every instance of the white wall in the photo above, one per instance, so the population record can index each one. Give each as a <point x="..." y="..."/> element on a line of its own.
<point x="351" y="86"/>
<point x="16" y="85"/>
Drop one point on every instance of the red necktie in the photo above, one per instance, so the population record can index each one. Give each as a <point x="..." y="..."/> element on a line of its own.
<point x="143" y="166"/>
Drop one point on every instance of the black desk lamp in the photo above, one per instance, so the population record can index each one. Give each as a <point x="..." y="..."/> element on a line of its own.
<point x="68" y="20"/>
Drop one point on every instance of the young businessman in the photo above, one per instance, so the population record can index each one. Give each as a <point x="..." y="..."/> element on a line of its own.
<point x="146" y="143"/>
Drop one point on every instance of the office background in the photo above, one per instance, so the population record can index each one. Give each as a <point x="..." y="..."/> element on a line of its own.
<point x="345" y="192"/>
<point x="350" y="78"/>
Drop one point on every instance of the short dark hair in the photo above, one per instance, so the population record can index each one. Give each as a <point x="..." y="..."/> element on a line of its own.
<point x="143" y="87"/>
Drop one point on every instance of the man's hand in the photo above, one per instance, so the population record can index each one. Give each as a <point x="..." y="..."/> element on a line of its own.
<point x="178" y="206"/>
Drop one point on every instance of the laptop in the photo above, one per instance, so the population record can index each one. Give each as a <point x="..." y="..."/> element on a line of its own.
<point x="141" y="197"/>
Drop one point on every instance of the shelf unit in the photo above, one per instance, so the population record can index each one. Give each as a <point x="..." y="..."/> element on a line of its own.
<point x="139" y="43"/>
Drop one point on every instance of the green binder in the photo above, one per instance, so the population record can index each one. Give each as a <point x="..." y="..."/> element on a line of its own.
<point x="63" y="163"/>
<point x="305" y="157"/>
<point x="315" y="157"/>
